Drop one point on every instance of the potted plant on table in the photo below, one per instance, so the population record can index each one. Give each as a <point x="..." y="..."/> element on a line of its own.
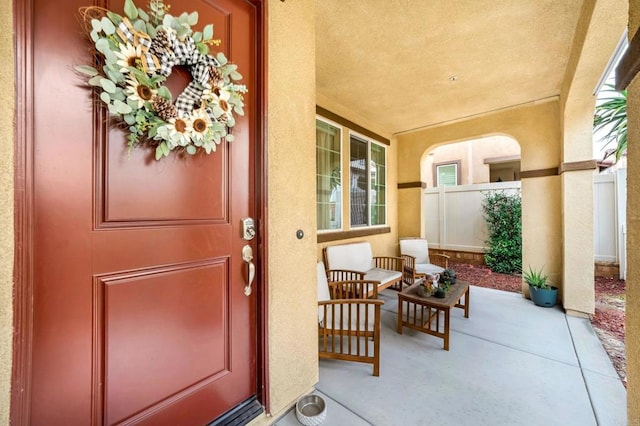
<point x="542" y="292"/>
<point x="448" y="276"/>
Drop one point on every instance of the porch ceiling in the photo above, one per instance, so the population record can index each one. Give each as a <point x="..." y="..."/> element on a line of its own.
<point x="391" y="61"/>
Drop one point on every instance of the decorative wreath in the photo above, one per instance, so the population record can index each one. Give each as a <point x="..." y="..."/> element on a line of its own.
<point x="137" y="52"/>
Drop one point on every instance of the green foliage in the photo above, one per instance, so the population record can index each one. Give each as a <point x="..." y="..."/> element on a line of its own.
<point x="536" y="278"/>
<point x="611" y="117"/>
<point x="503" y="215"/>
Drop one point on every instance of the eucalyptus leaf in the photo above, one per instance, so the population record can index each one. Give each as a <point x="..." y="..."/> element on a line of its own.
<point x="96" y="24"/>
<point x="159" y="153"/>
<point x="164" y="92"/>
<point x="107" y="26"/>
<point x="238" y="109"/>
<point x="202" y="48"/>
<point x="207" y="32"/>
<point x="167" y="21"/>
<point x="193" y="18"/>
<point x="94" y="36"/>
<point x="121" y="107"/>
<point x="165" y="148"/>
<point x="183" y="18"/>
<point x="129" y="118"/>
<point x="230" y="138"/>
<point x="191" y="149"/>
<point x="182" y="32"/>
<point x="105" y="98"/>
<point x="115" y="76"/>
<point x="102" y="45"/>
<point x="88" y="70"/>
<point x="114" y="17"/>
<point x="197" y="37"/>
<point x="140" y="25"/>
<point x="143" y="15"/>
<point x="130" y="9"/>
<point x="151" y="30"/>
<point x="235" y="75"/>
<point x="95" y="81"/>
<point x="112" y="109"/>
<point x="119" y="95"/>
<point x="108" y="85"/>
<point x="221" y="58"/>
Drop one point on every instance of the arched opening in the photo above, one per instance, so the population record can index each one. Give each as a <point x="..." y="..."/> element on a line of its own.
<point x="474" y="161"/>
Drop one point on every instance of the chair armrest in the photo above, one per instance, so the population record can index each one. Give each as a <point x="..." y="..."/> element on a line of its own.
<point x="409" y="269"/>
<point x="354" y="289"/>
<point x="389" y="262"/>
<point x="344" y="275"/>
<point x="439" y="259"/>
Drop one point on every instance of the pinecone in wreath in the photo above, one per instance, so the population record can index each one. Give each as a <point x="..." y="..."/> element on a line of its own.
<point x="160" y="44"/>
<point x="215" y="77"/>
<point x="165" y="109"/>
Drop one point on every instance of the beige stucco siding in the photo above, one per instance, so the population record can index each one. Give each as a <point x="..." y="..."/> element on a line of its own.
<point x="633" y="237"/>
<point x="293" y="348"/>
<point x="6" y="207"/>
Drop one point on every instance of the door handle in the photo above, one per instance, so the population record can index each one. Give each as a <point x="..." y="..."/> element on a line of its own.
<point x="247" y="256"/>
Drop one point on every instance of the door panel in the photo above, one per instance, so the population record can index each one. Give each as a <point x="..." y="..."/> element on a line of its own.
<point x="139" y="315"/>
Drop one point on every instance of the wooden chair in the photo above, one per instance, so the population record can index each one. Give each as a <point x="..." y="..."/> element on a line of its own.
<point x="349" y="320"/>
<point x="417" y="260"/>
<point x="344" y="275"/>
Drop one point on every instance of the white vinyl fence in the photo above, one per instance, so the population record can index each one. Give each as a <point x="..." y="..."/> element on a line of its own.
<point x="453" y="217"/>
<point x="609" y="218"/>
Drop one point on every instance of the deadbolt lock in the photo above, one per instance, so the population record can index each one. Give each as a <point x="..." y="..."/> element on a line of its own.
<point x="248" y="229"/>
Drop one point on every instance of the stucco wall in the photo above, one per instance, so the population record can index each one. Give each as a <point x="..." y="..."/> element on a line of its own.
<point x="293" y="347"/>
<point x="6" y="207"/>
<point x="537" y="130"/>
<point x="633" y="237"/>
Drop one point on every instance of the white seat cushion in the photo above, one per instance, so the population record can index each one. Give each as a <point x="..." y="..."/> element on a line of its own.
<point x="354" y="256"/>
<point x="428" y="268"/>
<point x="416" y="247"/>
<point x="383" y="275"/>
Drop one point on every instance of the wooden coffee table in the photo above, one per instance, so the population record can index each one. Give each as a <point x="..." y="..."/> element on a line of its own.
<point x="423" y="313"/>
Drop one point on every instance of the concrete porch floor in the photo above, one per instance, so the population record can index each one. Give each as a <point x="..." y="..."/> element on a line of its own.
<point x="510" y="363"/>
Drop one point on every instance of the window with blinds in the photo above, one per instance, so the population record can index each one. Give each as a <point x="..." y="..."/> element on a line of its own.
<point x="447" y="175"/>
<point x="328" y="176"/>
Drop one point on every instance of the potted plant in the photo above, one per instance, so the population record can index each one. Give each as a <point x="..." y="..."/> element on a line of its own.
<point x="448" y="276"/>
<point x="540" y="288"/>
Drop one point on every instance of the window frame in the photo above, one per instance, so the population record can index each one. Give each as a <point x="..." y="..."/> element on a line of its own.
<point x="436" y="177"/>
<point x="342" y="154"/>
<point x="369" y="141"/>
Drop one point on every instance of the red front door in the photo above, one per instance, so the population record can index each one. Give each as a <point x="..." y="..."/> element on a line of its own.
<point x="139" y="315"/>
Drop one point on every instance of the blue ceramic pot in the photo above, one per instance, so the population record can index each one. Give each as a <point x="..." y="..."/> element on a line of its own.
<point x="546" y="297"/>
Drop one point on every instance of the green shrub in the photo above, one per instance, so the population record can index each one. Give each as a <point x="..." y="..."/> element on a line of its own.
<point x="503" y="215"/>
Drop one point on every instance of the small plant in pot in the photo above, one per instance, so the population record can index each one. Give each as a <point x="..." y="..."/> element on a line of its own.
<point x="448" y="276"/>
<point x="540" y="288"/>
<point x="425" y="288"/>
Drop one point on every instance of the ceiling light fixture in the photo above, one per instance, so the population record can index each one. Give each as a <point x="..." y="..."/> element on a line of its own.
<point x="453" y="78"/>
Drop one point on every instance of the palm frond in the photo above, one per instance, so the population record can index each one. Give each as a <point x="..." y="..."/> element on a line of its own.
<point x="611" y="117"/>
